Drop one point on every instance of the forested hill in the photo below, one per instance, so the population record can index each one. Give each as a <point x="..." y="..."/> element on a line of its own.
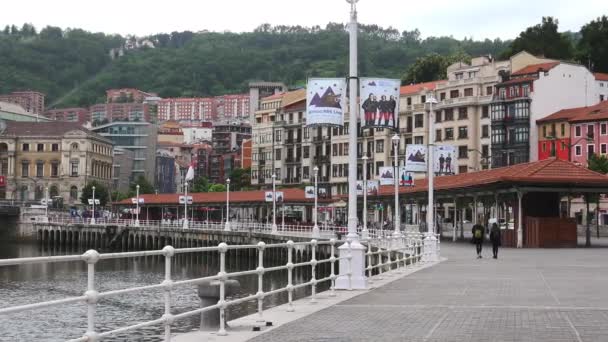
<point x="74" y="68"/>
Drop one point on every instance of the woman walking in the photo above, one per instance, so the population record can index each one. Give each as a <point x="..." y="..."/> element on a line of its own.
<point x="495" y="239"/>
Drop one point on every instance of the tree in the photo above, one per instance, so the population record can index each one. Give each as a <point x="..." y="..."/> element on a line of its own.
<point x="432" y="67"/>
<point x="240" y="179"/>
<point x="144" y="187"/>
<point x="217" y="188"/>
<point x="200" y="184"/>
<point x="593" y="44"/>
<point x="101" y="193"/>
<point x="543" y="40"/>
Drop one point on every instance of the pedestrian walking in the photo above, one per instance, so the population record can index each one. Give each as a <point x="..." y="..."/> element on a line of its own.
<point x="495" y="238"/>
<point x="478" y="232"/>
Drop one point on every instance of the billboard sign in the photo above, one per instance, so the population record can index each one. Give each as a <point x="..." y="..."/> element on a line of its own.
<point x="415" y="158"/>
<point x="325" y="101"/>
<point x="445" y="160"/>
<point x="379" y="104"/>
<point x="387" y="175"/>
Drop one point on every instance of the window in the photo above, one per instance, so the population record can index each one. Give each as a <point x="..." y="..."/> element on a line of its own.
<point x="379" y="146"/>
<point x="577" y="150"/>
<point x="468" y="91"/>
<point x="334" y="150"/>
<point x="545" y="131"/>
<point x="40" y="148"/>
<point x="74" y="147"/>
<point x="485" y="150"/>
<point x="54" y="169"/>
<point x="603" y="129"/>
<point x="306" y="151"/>
<point x="39" y="169"/>
<point x="472" y="74"/>
<point x="463" y="152"/>
<point x="454" y="94"/>
<point x="449" y="134"/>
<point x="489" y="90"/>
<point x="603" y="148"/>
<point x="544" y="147"/>
<point x="563" y="129"/>
<point x="485" y="131"/>
<point x="74" y="168"/>
<point x="442" y="96"/>
<point x="590" y="130"/>
<point x="462" y="169"/>
<point x="306" y="133"/>
<point x="459" y="75"/>
<point x="409" y="101"/>
<point x="419" y="140"/>
<point x="73" y="193"/>
<point x="437" y="135"/>
<point x="25" y="147"/>
<point x="438" y="116"/>
<point x="485" y="112"/>
<point x="25" y="169"/>
<point x="577" y="131"/>
<point x="277" y="135"/>
<point x="277" y="153"/>
<point x="526" y="90"/>
<point x="418" y="121"/>
<point x="590" y="150"/>
<point x="463" y="132"/>
<point x="463" y="113"/>
<point x="423" y="99"/>
<point x="55" y="147"/>
<point x="449" y="115"/>
<point x="306" y="172"/>
<point x="378" y="166"/>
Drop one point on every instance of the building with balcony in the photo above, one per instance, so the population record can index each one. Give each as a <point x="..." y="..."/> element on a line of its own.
<point x="187" y="109"/>
<point x="122" y="177"/>
<point x="127" y="95"/>
<point x="79" y="115"/>
<point x="14" y="112"/>
<point x="165" y="172"/>
<point x="228" y="137"/>
<point x="60" y="156"/>
<point x="104" y="113"/>
<point x="31" y="101"/>
<point x="261" y="90"/>
<point x="197" y="132"/>
<point x="528" y="94"/>
<point x="170" y="131"/>
<point x="138" y="137"/>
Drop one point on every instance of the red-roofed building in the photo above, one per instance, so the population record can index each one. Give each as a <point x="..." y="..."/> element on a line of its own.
<point x="601" y="81"/>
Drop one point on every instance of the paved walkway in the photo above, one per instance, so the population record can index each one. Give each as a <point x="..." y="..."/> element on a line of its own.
<point x="555" y="295"/>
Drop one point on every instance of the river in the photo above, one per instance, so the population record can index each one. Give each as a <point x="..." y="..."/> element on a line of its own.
<point x="34" y="283"/>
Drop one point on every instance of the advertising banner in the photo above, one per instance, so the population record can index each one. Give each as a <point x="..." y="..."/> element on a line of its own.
<point x="445" y="160"/>
<point x="268" y="196"/>
<point x="379" y="102"/>
<point x="387" y="175"/>
<point x="325" y="101"/>
<point x="415" y="158"/>
<point x="406" y="178"/>
<point x="309" y="192"/>
<point x="372" y="187"/>
<point x="359" y="188"/>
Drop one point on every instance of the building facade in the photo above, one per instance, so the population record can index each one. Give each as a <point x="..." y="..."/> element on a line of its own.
<point x="58" y="156"/>
<point x="79" y="115"/>
<point x="164" y="177"/>
<point x="127" y="95"/>
<point x="187" y="109"/>
<point x="110" y="112"/>
<point x="197" y="132"/>
<point x="31" y="101"/>
<point x="601" y="81"/>
<point x="122" y="167"/>
<point x="138" y="137"/>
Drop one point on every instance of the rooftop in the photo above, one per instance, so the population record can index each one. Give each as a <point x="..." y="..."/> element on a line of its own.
<point x="535" y="68"/>
<point x="417" y="87"/>
<point x="592" y="113"/>
<point x="51" y="128"/>
<point x="601" y="76"/>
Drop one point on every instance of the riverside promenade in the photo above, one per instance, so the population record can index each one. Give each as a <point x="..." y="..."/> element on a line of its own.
<point x="555" y="295"/>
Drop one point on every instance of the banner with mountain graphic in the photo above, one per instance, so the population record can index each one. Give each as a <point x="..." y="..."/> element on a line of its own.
<point x="325" y="101"/>
<point x="415" y="158"/>
<point x="379" y="102"/>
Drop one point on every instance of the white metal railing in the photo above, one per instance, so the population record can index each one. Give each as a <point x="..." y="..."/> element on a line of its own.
<point x="398" y="252"/>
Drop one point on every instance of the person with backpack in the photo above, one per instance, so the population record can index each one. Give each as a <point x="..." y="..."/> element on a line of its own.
<point x="495" y="238"/>
<point x="478" y="232"/>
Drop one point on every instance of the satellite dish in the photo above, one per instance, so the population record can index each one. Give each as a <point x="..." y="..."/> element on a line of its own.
<point x="2" y="127"/>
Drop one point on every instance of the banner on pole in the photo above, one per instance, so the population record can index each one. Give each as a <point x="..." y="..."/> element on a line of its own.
<point x="372" y="187"/>
<point x="405" y="177"/>
<point x="415" y="158"/>
<point x="444" y="160"/>
<point x="359" y="188"/>
<point x="387" y="175"/>
<point x="309" y="192"/>
<point x="279" y="194"/>
<point x="379" y="102"/>
<point x="325" y="101"/>
<point x="182" y="199"/>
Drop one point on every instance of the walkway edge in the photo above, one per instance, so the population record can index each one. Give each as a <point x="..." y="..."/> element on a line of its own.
<point x="241" y="329"/>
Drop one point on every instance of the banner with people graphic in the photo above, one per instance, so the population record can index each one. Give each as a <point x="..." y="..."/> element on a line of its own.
<point x="325" y="101"/>
<point x="445" y="160"/>
<point x="379" y="102"/>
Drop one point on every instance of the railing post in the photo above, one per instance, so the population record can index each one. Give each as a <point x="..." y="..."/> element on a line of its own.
<point x="313" y="266"/>
<point x="223" y="248"/>
<point x="91" y="257"/>
<point x="369" y="260"/>
<point x="168" y="252"/>
<point x="388" y="252"/>
<point x="290" y="307"/>
<point x="260" y="271"/>
<point x="332" y="262"/>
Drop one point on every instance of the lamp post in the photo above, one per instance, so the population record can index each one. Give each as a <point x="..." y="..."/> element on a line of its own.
<point x="430" y="241"/>
<point x="274" y="204"/>
<point x="227" y="226"/>
<point x="397" y="220"/>
<point x="93" y="215"/>
<point x="137" y="206"/>
<point x="352" y="250"/>
<point x="46" y="209"/>
<point x="364" y="232"/>
<point x="316" y="234"/>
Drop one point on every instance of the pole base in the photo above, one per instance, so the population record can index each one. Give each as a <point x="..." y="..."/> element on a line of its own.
<point x="274" y="229"/>
<point x="185" y="224"/>
<point x="357" y="279"/>
<point x="316" y="233"/>
<point x="430" y="249"/>
<point x="136" y="223"/>
<point x="227" y="227"/>
<point x="93" y="220"/>
<point x="364" y="234"/>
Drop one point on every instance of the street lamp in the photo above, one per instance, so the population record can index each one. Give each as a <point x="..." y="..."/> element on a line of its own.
<point x="137" y="206"/>
<point x="93" y="215"/>
<point x="397" y="221"/>
<point x="227" y="226"/>
<point x="430" y="241"/>
<point x="46" y="209"/>
<point x="316" y="234"/>
<point x="364" y="232"/>
<point x="274" y="204"/>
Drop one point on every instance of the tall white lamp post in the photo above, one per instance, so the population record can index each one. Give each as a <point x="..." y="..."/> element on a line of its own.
<point x="46" y="208"/>
<point x="137" y="206"/>
<point x="274" y="204"/>
<point x="352" y="249"/>
<point x="364" y="232"/>
<point x="227" y="226"/>
<point x="185" y="222"/>
<point x="93" y="214"/>
<point x="316" y="234"/>
<point x="397" y="221"/>
<point x="430" y="241"/>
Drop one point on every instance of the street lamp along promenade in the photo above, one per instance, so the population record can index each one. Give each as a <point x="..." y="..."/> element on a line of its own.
<point x="430" y="241"/>
<point x="316" y="234"/>
<point x="397" y="221"/>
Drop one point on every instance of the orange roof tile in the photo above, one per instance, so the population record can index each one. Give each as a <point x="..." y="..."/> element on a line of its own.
<point x="601" y="76"/>
<point x="273" y="97"/>
<point x="548" y="171"/>
<point x="519" y="80"/>
<point x="592" y="113"/>
<point x="417" y="87"/>
<point x="535" y="68"/>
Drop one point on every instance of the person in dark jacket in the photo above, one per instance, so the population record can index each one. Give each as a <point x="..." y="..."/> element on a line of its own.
<point x="478" y="232"/>
<point x="495" y="239"/>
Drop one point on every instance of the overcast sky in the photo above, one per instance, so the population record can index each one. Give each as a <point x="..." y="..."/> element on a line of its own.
<point x="460" y="18"/>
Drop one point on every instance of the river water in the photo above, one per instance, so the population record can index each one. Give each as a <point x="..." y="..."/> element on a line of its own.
<point x="35" y="283"/>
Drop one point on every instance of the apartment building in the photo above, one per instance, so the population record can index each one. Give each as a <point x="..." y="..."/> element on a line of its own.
<point x="62" y="157"/>
<point x="31" y="101"/>
<point x="187" y="109"/>
<point x="110" y="112"/>
<point x="601" y="81"/>
<point x="534" y="89"/>
<point x="127" y="95"/>
<point x="79" y="115"/>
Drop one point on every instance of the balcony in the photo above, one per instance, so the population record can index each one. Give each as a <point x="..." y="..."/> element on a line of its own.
<point x="262" y="162"/>
<point x="504" y="98"/>
<point x="293" y="160"/>
<point x="291" y="141"/>
<point x="406" y="130"/>
<point x="292" y="180"/>
<point x="320" y="138"/>
<point x="465" y="101"/>
<point x="322" y="159"/>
